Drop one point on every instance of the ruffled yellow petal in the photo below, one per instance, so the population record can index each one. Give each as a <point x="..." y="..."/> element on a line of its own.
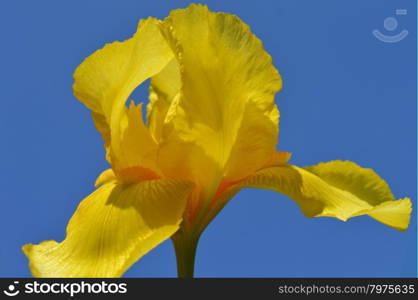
<point x="224" y="113"/>
<point x="164" y="87"/>
<point x="104" y="81"/>
<point x="111" y="229"/>
<point x="137" y="147"/>
<point x="335" y="189"/>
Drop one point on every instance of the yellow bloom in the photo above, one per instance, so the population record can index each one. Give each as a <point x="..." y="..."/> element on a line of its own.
<point x="212" y="128"/>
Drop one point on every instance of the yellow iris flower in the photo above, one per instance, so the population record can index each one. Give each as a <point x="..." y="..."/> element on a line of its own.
<point x="211" y="130"/>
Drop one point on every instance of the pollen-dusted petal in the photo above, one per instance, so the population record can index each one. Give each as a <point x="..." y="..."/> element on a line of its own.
<point x="111" y="229"/>
<point x="225" y="107"/>
<point x="104" y="81"/>
<point x="336" y="189"/>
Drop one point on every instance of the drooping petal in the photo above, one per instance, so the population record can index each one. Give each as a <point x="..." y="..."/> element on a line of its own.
<point x="225" y="111"/>
<point x="111" y="229"/>
<point x="104" y="81"/>
<point x="335" y="189"/>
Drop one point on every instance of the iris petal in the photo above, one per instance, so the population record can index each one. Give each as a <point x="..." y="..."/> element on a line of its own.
<point x="111" y="229"/>
<point x="224" y="112"/>
<point x="335" y="189"/>
<point x="104" y="81"/>
<point x="164" y="87"/>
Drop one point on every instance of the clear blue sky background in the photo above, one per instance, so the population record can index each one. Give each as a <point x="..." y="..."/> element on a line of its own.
<point x="346" y="95"/>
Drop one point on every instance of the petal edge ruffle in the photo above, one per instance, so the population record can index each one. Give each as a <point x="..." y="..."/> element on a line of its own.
<point x="335" y="189"/>
<point x="111" y="229"/>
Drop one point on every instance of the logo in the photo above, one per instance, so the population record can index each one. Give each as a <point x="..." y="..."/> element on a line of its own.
<point x="68" y="288"/>
<point x="11" y="289"/>
<point x="391" y="24"/>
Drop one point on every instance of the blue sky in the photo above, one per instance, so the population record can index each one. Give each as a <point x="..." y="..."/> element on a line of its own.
<point x="346" y="95"/>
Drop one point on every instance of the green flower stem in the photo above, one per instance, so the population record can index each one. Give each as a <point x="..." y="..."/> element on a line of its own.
<point x="185" y="245"/>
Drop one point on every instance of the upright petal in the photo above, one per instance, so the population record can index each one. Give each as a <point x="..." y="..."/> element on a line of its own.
<point x="335" y="189"/>
<point x="111" y="229"/>
<point x="225" y="111"/>
<point x="136" y="145"/>
<point x="164" y="87"/>
<point x="104" y="81"/>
